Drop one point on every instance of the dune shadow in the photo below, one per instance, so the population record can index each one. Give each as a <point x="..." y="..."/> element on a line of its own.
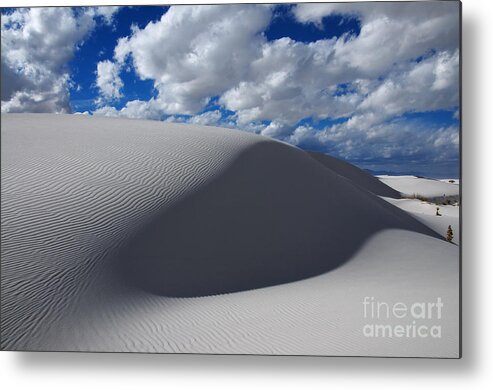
<point x="273" y="216"/>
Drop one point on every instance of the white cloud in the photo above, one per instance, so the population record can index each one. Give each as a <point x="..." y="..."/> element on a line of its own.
<point x="370" y="11"/>
<point x="276" y="130"/>
<point x="294" y="80"/>
<point x="107" y="13"/>
<point x="194" y="53"/>
<point x="136" y="109"/>
<point x="208" y="118"/>
<point x="108" y="80"/>
<point x="37" y="45"/>
<point x="151" y="110"/>
<point x="108" y="111"/>
<point x="429" y="85"/>
<point x="219" y="51"/>
<point x="390" y="32"/>
<point x="291" y="81"/>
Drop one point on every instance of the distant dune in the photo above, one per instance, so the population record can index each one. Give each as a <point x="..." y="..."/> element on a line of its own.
<point x="128" y="235"/>
<point x="418" y="186"/>
<point x="422" y="197"/>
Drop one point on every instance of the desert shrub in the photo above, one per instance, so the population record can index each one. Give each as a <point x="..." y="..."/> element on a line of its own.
<point x="450" y="234"/>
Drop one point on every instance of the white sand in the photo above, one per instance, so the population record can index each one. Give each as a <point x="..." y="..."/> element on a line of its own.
<point x="116" y="234"/>
<point x="426" y="213"/>
<point x="452" y="181"/>
<point x="414" y="186"/>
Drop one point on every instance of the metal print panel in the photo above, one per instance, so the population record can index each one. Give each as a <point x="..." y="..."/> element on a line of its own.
<point x="278" y="179"/>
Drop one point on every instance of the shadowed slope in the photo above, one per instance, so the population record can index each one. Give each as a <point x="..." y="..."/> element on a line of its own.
<point x="356" y="175"/>
<point x="272" y="217"/>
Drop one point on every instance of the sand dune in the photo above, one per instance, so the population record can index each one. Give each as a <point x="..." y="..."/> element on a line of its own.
<point x="425" y="212"/>
<point x="417" y="186"/>
<point x="127" y="235"/>
<point x="273" y="216"/>
<point x="431" y="194"/>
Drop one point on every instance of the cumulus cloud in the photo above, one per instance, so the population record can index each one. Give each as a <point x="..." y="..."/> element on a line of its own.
<point x="208" y="118"/>
<point x="193" y="53"/>
<point x="291" y="81"/>
<point x="107" y="13"/>
<point x="218" y="51"/>
<point x="432" y="84"/>
<point x="37" y="45"/>
<point x="136" y="109"/>
<point x="296" y="80"/>
<point x="108" y="80"/>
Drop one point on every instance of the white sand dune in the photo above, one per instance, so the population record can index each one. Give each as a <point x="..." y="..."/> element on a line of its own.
<point x="125" y="235"/>
<point x="433" y="194"/>
<point x="417" y="186"/>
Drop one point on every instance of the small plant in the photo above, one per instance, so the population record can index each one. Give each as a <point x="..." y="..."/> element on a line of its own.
<point x="438" y="212"/>
<point x="450" y="234"/>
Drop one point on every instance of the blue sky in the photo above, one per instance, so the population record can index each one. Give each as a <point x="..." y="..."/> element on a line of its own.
<point x="376" y="84"/>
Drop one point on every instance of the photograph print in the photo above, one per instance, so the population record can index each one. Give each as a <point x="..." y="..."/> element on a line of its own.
<point x="265" y="179"/>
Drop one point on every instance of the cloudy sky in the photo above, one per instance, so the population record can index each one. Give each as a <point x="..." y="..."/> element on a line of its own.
<point x="374" y="83"/>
